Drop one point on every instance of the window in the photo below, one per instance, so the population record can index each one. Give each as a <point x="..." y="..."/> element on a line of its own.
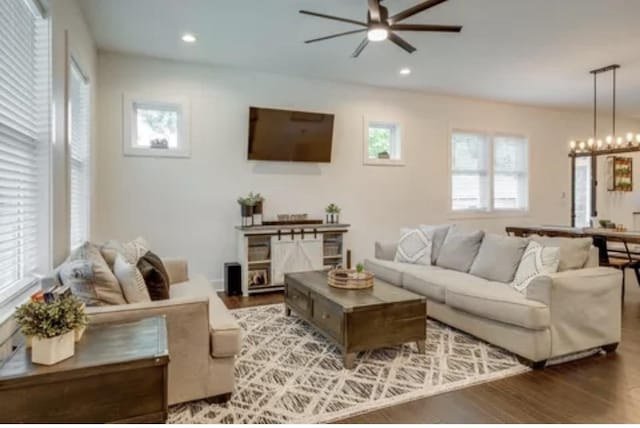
<point x="24" y="138"/>
<point x="382" y="145"/>
<point x="79" y="159"/>
<point x="156" y="128"/>
<point x="469" y="172"/>
<point x="583" y="192"/>
<point x="489" y="172"/>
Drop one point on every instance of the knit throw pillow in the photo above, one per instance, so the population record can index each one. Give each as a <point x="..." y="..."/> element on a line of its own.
<point x="414" y="247"/>
<point x="536" y="261"/>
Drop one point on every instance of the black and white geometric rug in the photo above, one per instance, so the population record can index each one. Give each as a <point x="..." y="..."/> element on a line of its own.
<point x="287" y="372"/>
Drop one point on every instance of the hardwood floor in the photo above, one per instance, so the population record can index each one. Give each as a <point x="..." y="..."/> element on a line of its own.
<point x="601" y="389"/>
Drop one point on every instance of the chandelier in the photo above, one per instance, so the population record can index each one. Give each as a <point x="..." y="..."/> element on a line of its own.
<point x="612" y="143"/>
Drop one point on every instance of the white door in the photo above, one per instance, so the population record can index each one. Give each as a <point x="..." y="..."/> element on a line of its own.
<point x="294" y="255"/>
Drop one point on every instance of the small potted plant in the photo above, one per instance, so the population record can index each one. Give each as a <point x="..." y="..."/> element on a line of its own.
<point x="51" y="327"/>
<point x="258" y="200"/>
<point x="333" y="213"/>
<point x="246" y="210"/>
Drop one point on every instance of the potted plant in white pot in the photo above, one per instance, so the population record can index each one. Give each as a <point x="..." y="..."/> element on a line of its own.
<point x="333" y="213"/>
<point x="51" y="327"/>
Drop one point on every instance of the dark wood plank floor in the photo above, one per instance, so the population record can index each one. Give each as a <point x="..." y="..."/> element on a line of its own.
<point x="601" y="389"/>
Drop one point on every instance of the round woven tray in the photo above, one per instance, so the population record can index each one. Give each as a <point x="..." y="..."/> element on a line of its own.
<point x="350" y="279"/>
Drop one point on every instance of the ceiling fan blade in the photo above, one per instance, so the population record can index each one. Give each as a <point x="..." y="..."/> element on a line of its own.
<point x="401" y="42"/>
<point x="414" y="10"/>
<point x="360" y="48"/>
<point x="346" y="33"/>
<point x="374" y="10"/>
<point x="419" y="27"/>
<point x="335" y="18"/>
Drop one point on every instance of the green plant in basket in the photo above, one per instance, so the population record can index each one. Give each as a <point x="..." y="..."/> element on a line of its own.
<point x="359" y="268"/>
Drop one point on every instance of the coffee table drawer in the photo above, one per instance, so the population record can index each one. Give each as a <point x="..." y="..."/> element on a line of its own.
<point x="298" y="299"/>
<point x="328" y="316"/>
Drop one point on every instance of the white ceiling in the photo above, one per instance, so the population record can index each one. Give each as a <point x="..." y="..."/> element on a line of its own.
<point x="525" y="51"/>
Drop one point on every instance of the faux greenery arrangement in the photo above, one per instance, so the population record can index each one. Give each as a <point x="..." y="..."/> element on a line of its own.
<point x="46" y="320"/>
<point x="332" y="209"/>
<point x="246" y="201"/>
<point x="359" y="268"/>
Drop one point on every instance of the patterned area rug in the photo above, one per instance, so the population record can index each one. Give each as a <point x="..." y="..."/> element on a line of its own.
<point x="287" y="372"/>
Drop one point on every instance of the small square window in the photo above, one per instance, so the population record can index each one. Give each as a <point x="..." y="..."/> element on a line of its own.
<point x="156" y="128"/>
<point x="382" y="145"/>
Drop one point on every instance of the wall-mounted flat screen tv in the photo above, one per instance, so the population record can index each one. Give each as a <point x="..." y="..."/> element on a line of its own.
<point x="284" y="135"/>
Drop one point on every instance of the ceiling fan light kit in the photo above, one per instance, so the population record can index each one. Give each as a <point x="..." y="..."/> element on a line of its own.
<point x="380" y="26"/>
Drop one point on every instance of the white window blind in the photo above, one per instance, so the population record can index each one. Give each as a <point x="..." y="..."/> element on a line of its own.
<point x="469" y="171"/>
<point x="24" y="137"/>
<point x="489" y="172"/>
<point x="79" y="159"/>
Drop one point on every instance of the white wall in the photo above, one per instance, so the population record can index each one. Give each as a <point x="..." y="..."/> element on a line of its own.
<point x="67" y="18"/>
<point x="187" y="206"/>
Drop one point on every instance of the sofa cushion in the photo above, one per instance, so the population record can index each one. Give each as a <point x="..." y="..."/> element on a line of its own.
<point x="97" y="277"/>
<point x="155" y="276"/>
<point x="386" y="270"/>
<point x="574" y="252"/>
<point x="498" y="302"/>
<point x="498" y="258"/>
<point x="459" y="249"/>
<point x="439" y="234"/>
<point x="433" y="281"/>
<point x="131" y="281"/>
<point x="414" y="247"/>
<point x="226" y="336"/>
<point x="536" y="261"/>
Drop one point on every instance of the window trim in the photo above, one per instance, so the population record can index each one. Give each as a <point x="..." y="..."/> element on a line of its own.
<point x="129" y="128"/>
<point x="399" y="139"/>
<point x="491" y="211"/>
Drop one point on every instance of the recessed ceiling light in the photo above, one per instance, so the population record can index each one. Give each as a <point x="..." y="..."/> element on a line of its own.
<point x="405" y="71"/>
<point x="188" y="38"/>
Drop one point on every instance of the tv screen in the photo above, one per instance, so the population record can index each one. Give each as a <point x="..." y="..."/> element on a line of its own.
<point x="283" y="135"/>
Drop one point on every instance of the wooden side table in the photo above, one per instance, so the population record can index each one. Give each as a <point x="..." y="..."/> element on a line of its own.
<point x="118" y="374"/>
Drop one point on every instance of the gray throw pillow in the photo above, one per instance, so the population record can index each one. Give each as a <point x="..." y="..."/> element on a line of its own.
<point x="574" y="252"/>
<point x="459" y="249"/>
<point x="438" y="233"/>
<point x="499" y="257"/>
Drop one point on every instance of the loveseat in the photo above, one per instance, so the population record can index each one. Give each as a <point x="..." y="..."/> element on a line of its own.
<point x="558" y="314"/>
<point x="204" y="338"/>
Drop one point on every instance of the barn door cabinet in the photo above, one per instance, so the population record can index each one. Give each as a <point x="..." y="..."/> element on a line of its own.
<point x="267" y="253"/>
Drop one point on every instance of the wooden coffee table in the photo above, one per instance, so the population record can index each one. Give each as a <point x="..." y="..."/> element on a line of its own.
<point x="357" y="320"/>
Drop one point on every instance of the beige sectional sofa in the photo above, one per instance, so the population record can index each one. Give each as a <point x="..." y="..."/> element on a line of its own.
<point x="204" y="338"/>
<point x="559" y="314"/>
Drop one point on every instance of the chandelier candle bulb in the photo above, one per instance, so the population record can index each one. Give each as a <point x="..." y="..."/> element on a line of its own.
<point x="638" y="138"/>
<point x="619" y="141"/>
<point x="630" y="137"/>
<point x="599" y="144"/>
<point x="609" y="140"/>
<point x="572" y="145"/>
<point x="590" y="143"/>
<point x="582" y="145"/>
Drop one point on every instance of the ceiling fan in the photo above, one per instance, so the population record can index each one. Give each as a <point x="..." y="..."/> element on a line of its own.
<point x="380" y="26"/>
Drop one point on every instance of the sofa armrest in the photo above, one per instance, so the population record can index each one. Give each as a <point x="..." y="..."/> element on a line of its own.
<point x="585" y="307"/>
<point x="188" y="337"/>
<point x="386" y="250"/>
<point x="177" y="268"/>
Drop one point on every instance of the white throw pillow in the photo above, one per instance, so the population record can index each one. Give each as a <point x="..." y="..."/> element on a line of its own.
<point x="131" y="281"/>
<point x="414" y="247"/>
<point x="536" y="261"/>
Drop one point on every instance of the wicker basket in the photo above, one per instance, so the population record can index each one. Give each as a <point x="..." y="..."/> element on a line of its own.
<point x="350" y="279"/>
